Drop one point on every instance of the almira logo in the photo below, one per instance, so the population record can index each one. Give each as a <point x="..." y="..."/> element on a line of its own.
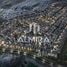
<point x="33" y="35"/>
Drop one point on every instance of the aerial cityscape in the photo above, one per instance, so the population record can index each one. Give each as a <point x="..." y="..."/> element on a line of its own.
<point x="33" y="33"/>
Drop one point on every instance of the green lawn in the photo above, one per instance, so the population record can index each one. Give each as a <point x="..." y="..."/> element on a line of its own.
<point x="31" y="65"/>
